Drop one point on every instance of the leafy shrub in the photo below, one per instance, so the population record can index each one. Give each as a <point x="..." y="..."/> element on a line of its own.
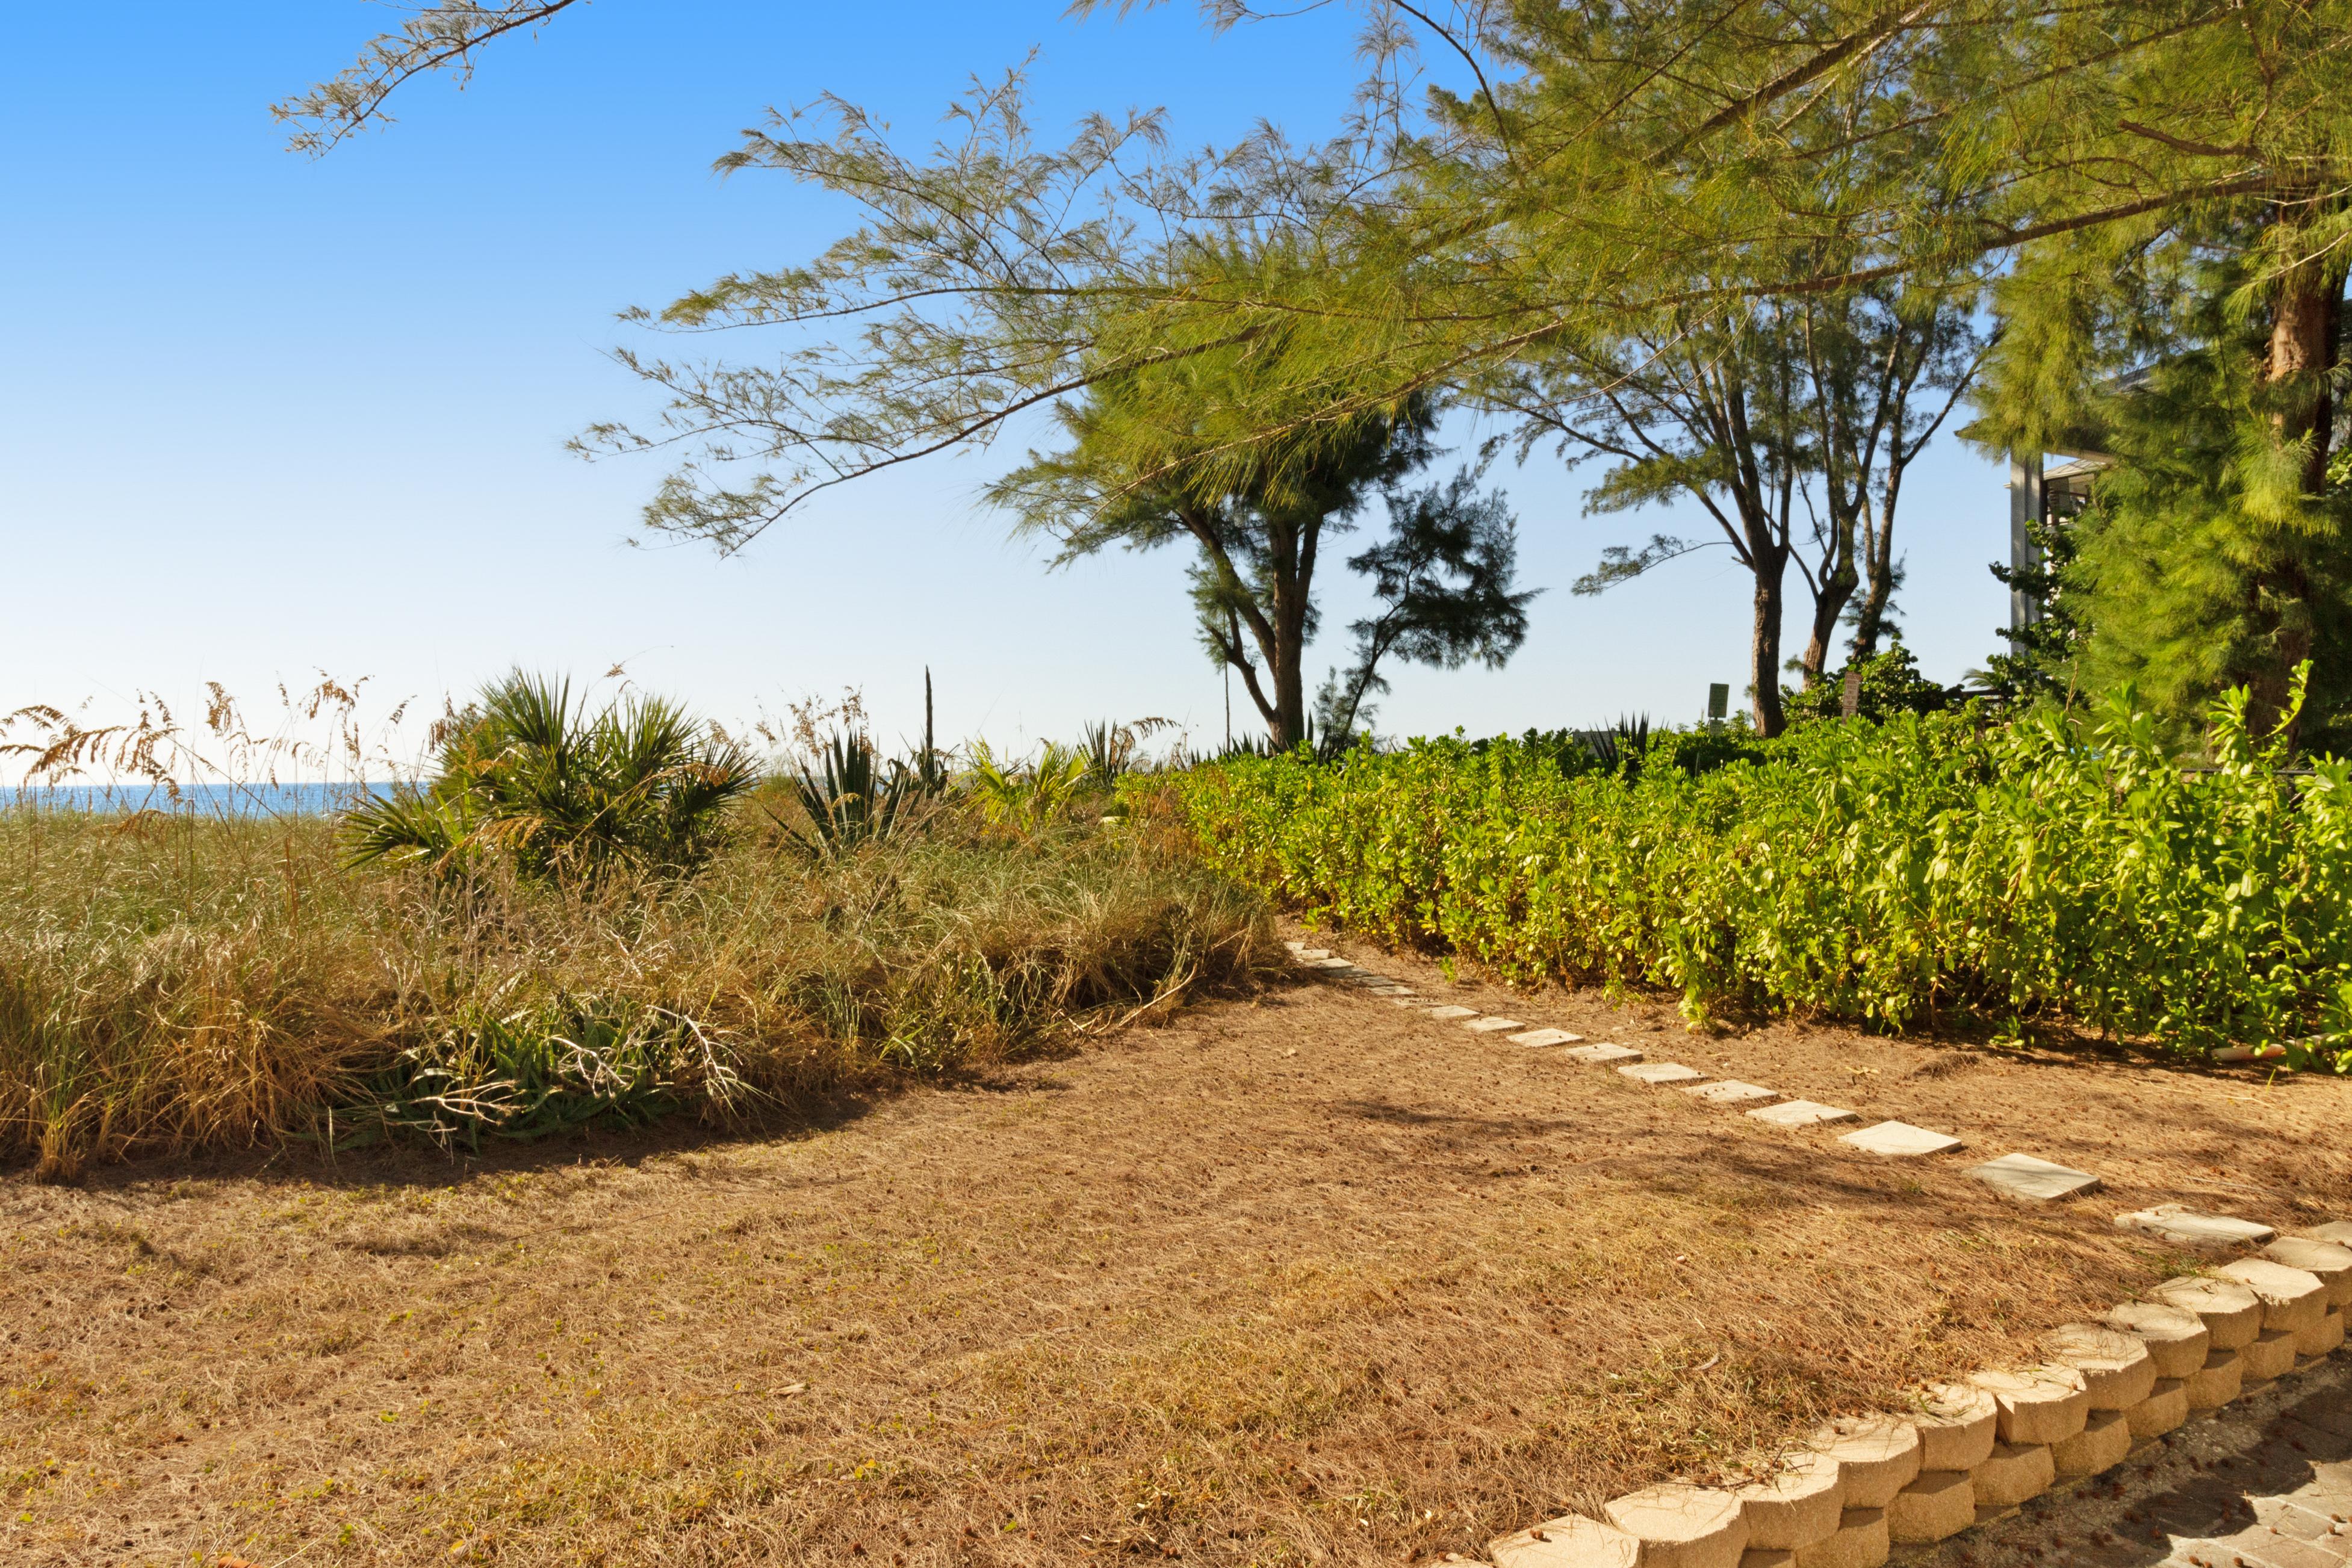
<point x="565" y="794"/>
<point x="849" y="798"/>
<point x="1873" y="872"/>
<point x="1891" y="683"/>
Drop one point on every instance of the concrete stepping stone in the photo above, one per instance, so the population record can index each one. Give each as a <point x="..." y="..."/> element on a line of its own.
<point x="2176" y="1338"/>
<point x="1301" y="950"/>
<point x="1449" y="1010"/>
<point x="1939" y="1504"/>
<point x="2339" y="1231"/>
<point x="1801" y="1113"/>
<point x="2117" y="1370"/>
<point x="1861" y="1541"/>
<point x="1603" y="1055"/>
<point x="2035" y="1181"/>
<point x="1392" y="990"/>
<point x="2012" y="1473"/>
<point x="1409" y="999"/>
<point x="1877" y="1456"/>
<point x="2222" y="1379"/>
<point x="1957" y="1423"/>
<point x="1546" y="1036"/>
<point x="1731" y="1091"/>
<point x="1662" y="1073"/>
<point x="1573" y="1542"/>
<point x="1682" y="1526"/>
<point x="1493" y="1025"/>
<point x="2166" y="1408"/>
<point x="1329" y="964"/>
<point x="1795" y="1507"/>
<point x="2186" y="1226"/>
<point x="2331" y="1264"/>
<point x="2101" y="1445"/>
<point x="2292" y="1299"/>
<point x="2042" y="1404"/>
<point x="1901" y="1140"/>
<point x="2270" y="1355"/>
<point x="2232" y="1313"/>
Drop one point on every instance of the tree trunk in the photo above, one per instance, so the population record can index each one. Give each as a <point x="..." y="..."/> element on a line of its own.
<point x="2302" y="353"/>
<point x="1764" y="643"/>
<point x="1878" y="578"/>
<point x="1829" y="600"/>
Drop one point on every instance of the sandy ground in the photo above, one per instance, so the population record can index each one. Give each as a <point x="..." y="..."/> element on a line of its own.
<point x="1310" y="1279"/>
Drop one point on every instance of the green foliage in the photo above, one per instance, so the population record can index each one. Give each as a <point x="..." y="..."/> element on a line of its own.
<point x="1883" y="872"/>
<point x="850" y="799"/>
<point x="566" y="796"/>
<point x="1891" y="683"/>
<point x="2045" y="658"/>
<point x="1026" y="796"/>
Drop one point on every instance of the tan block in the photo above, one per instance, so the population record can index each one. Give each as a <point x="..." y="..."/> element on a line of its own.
<point x="2160" y="1411"/>
<point x="1570" y="1542"/>
<point x="2040" y="1405"/>
<point x="2117" y="1370"/>
<point x="1940" y="1503"/>
<point x="1795" y="1507"/>
<point x="1859" y="1542"/>
<point x="2011" y="1474"/>
<point x="2323" y="1338"/>
<point x="2218" y="1381"/>
<point x="2329" y="1263"/>
<point x="1958" y="1424"/>
<point x="2292" y="1299"/>
<point x="1682" y="1526"/>
<point x="1768" y="1557"/>
<point x="2177" y="1338"/>
<point x="2101" y="1445"/>
<point x="2270" y="1355"/>
<point x="2339" y="1231"/>
<point x="2232" y="1313"/>
<point x="1877" y="1456"/>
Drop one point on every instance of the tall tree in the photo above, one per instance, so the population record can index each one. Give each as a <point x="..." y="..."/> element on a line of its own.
<point x="1665" y="168"/>
<point x="1129" y="475"/>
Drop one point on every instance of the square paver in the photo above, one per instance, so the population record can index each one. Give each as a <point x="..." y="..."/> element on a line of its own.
<point x="1545" y="1037"/>
<point x="1801" y="1113"/>
<point x="1450" y="1011"/>
<point x="1329" y="964"/>
<point x="1392" y="990"/>
<point x="1902" y="1139"/>
<point x="1663" y="1073"/>
<point x="2188" y="1228"/>
<point x="1732" y="1091"/>
<point x="1493" y="1025"/>
<point x="1603" y="1055"/>
<point x="1304" y="952"/>
<point x="1408" y="1000"/>
<point x="2036" y="1181"/>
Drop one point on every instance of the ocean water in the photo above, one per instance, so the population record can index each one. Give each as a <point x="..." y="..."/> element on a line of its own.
<point x="200" y="800"/>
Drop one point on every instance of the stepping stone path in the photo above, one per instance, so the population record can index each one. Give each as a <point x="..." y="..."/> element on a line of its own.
<point x="1663" y="1073"/>
<point x="1732" y="1091"/>
<point x="2189" y="1228"/>
<point x="1969" y="1453"/>
<point x="1802" y="1113"/>
<point x="2036" y="1181"/>
<point x="1901" y="1139"/>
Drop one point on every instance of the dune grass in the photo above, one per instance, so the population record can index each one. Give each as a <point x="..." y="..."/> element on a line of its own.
<point x="175" y="983"/>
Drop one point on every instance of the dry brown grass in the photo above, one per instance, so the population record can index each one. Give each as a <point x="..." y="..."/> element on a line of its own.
<point x="179" y="983"/>
<point x="1306" y="1281"/>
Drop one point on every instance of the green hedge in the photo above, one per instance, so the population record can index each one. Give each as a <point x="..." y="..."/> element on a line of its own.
<point x="1875" y="872"/>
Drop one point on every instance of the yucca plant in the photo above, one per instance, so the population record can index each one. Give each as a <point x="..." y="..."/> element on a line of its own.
<point x="850" y="799"/>
<point x="566" y="795"/>
<point x="1024" y="795"/>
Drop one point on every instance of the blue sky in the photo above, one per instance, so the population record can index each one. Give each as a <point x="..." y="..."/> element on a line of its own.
<point x="262" y="416"/>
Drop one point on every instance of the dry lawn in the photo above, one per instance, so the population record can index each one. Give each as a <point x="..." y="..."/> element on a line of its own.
<point x="1308" y="1279"/>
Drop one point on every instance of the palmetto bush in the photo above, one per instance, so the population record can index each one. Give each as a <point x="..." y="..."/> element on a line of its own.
<point x="1882" y="872"/>
<point x="564" y="794"/>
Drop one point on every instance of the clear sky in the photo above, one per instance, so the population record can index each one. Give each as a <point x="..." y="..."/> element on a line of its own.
<point x="262" y="416"/>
